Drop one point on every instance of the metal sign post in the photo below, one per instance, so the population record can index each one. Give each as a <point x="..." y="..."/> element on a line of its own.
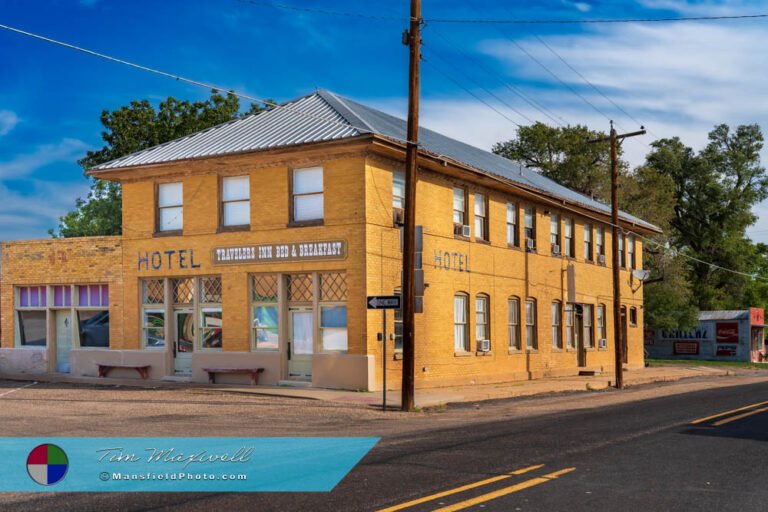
<point x="384" y="302"/>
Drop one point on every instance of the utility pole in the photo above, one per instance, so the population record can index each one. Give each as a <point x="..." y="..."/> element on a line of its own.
<point x="618" y="339"/>
<point x="412" y="38"/>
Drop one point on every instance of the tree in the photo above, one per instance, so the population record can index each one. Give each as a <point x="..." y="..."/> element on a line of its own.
<point x="132" y="128"/>
<point x="564" y="155"/>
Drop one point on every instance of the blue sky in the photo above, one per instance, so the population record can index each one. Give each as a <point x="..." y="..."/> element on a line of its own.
<point x="676" y="78"/>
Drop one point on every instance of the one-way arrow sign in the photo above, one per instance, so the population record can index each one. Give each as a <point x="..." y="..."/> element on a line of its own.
<point x="384" y="302"/>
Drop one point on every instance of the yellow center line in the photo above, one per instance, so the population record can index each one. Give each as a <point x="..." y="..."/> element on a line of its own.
<point x="726" y="413"/>
<point x="460" y="489"/>
<point x="505" y="491"/>
<point x="740" y="416"/>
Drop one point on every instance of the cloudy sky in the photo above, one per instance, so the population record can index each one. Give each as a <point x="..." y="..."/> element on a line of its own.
<point x="677" y="78"/>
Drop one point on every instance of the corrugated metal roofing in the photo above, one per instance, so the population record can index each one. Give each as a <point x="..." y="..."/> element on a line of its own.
<point x="723" y="315"/>
<point x="323" y="116"/>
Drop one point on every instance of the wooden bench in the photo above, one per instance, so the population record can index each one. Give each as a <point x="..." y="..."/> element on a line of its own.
<point x="253" y="372"/>
<point x="104" y="369"/>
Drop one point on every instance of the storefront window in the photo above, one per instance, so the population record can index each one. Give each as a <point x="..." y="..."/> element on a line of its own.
<point x="93" y="327"/>
<point x="333" y="328"/>
<point x="153" y="313"/>
<point x="32" y="328"/>
<point x="93" y="295"/>
<point x="62" y="296"/>
<point x="210" y="313"/>
<point x="266" y="320"/>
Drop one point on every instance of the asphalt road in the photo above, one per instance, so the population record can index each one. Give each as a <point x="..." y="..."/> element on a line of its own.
<point x="643" y="455"/>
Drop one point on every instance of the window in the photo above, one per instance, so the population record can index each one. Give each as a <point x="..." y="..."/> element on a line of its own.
<point x="554" y="233"/>
<point x="333" y="311"/>
<point x="588" y="254"/>
<point x="307" y="195"/>
<point x="530" y="324"/>
<point x="210" y="313"/>
<point x="600" y="242"/>
<point x="170" y="210"/>
<point x="633" y="316"/>
<point x="601" y="322"/>
<point x="513" y="323"/>
<point x="482" y="332"/>
<point x="631" y="252"/>
<point x="459" y="206"/>
<point x="530" y="227"/>
<point x="236" y="201"/>
<point x="265" y="320"/>
<point x="460" y="323"/>
<point x="153" y="312"/>
<point x="93" y="327"/>
<point x="512" y="236"/>
<point x="570" y="245"/>
<point x="62" y="296"/>
<point x="481" y="217"/>
<point x="557" y="333"/>
<point x="622" y="260"/>
<point x="587" y="326"/>
<point x="32" y="328"/>
<point x="92" y="295"/>
<point x="570" y="326"/>
<point x="32" y="297"/>
<point x="398" y="190"/>
<point x="398" y="324"/>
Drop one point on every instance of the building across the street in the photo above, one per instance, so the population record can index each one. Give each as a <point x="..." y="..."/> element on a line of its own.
<point x="254" y="244"/>
<point x="720" y="336"/>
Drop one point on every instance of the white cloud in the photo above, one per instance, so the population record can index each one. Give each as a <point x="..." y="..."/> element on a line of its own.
<point x="68" y="150"/>
<point x="579" y="6"/>
<point x="703" y="8"/>
<point x="8" y="121"/>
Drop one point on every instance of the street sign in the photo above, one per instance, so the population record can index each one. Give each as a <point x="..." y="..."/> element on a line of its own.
<point x="384" y="302"/>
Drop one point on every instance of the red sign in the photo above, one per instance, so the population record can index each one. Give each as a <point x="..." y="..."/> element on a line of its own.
<point x="756" y="316"/>
<point x="686" y="348"/>
<point x="727" y="332"/>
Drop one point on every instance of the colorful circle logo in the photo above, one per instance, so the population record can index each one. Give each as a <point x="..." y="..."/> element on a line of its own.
<point x="47" y="464"/>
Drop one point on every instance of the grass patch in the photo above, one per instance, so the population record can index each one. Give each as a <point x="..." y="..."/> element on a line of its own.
<point x="698" y="362"/>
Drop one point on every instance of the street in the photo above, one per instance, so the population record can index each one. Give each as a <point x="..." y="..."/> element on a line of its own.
<point x="694" y="445"/>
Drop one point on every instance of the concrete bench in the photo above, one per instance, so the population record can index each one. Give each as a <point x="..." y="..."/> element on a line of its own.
<point x="104" y="369"/>
<point x="253" y="372"/>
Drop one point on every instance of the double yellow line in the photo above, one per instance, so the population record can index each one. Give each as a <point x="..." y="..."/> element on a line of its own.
<point x="485" y="497"/>
<point x="750" y="408"/>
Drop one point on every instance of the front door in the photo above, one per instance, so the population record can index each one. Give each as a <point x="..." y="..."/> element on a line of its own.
<point x="63" y="340"/>
<point x="301" y="344"/>
<point x="581" y="354"/>
<point x="624" y="333"/>
<point x="183" y="341"/>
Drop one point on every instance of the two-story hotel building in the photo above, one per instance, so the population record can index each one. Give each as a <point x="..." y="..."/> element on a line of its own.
<point x="254" y="244"/>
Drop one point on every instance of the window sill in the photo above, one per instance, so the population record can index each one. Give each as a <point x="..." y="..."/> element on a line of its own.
<point x="175" y="232"/>
<point x="570" y="350"/>
<point x="483" y="241"/>
<point x="483" y="354"/>
<point x="633" y="325"/>
<point x="557" y="350"/>
<point x="305" y="223"/>
<point x="228" y="229"/>
<point x="514" y="352"/>
<point x="589" y="349"/>
<point x="463" y="354"/>
<point x="532" y="351"/>
<point x="464" y="238"/>
<point x="397" y="356"/>
<point x="513" y="246"/>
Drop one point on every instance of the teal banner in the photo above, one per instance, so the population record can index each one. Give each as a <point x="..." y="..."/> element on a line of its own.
<point x="171" y="464"/>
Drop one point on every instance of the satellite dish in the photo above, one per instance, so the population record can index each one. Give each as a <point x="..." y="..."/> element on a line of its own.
<point x="641" y="274"/>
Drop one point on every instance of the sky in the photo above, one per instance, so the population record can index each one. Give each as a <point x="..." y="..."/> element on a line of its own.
<point x="676" y="79"/>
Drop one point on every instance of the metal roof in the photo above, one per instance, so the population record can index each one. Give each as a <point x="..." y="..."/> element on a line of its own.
<point x="324" y="116"/>
<point x="723" y="315"/>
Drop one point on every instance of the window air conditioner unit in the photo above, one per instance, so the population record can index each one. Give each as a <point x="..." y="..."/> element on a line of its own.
<point x="398" y="216"/>
<point x="602" y="343"/>
<point x="466" y="231"/>
<point x="483" y="345"/>
<point x="555" y="249"/>
<point x="601" y="259"/>
<point x="530" y="244"/>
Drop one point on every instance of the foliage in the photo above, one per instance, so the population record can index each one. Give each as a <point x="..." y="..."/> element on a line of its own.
<point x="132" y="128"/>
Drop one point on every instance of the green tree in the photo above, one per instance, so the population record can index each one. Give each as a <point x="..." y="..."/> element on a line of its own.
<point x="564" y="155"/>
<point x="132" y="128"/>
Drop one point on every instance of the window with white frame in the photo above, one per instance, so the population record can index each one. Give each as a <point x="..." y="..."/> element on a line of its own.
<point x="631" y="252"/>
<point x="307" y="195"/>
<point x="481" y="217"/>
<point x="530" y="225"/>
<point x="31" y="316"/>
<point x="399" y="324"/>
<point x="512" y="235"/>
<point x="557" y="328"/>
<point x="587" y="326"/>
<point x="570" y="243"/>
<point x="236" y="201"/>
<point x="153" y="313"/>
<point x="210" y="328"/>
<point x="513" y="323"/>
<point x="588" y="250"/>
<point x="530" y="324"/>
<point x="265" y="312"/>
<point x="622" y="260"/>
<point x="459" y="206"/>
<point x="570" y="325"/>
<point x="601" y="322"/>
<point x="461" y="323"/>
<point x="398" y="190"/>
<point x="62" y="296"/>
<point x="600" y="242"/>
<point x="170" y="206"/>
<point x="554" y="233"/>
<point x="482" y="330"/>
<point x="333" y="312"/>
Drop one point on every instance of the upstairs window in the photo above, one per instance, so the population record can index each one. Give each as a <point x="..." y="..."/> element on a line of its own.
<point x="170" y="209"/>
<point x="307" y="195"/>
<point x="530" y="228"/>
<point x="512" y="236"/>
<point x="570" y="245"/>
<point x="459" y="206"/>
<point x="600" y="243"/>
<point x="631" y="252"/>
<point x="398" y="190"/>
<point x="588" y="250"/>
<point x="622" y="259"/>
<point x="554" y="233"/>
<point x="236" y="201"/>
<point x="481" y="217"/>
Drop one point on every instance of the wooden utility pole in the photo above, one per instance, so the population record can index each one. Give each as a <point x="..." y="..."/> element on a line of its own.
<point x="413" y="39"/>
<point x="618" y="336"/>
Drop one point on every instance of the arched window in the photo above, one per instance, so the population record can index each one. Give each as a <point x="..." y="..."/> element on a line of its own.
<point x="461" y="322"/>
<point x="633" y="316"/>
<point x="601" y="337"/>
<point x="513" y="323"/>
<point x="530" y="324"/>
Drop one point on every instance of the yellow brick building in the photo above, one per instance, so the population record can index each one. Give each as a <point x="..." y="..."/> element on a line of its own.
<point x="255" y="243"/>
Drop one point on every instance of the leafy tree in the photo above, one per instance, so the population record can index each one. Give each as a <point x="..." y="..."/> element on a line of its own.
<point x="564" y="155"/>
<point x="132" y="128"/>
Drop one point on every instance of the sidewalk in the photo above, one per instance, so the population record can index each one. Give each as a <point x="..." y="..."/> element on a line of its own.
<point x="440" y="396"/>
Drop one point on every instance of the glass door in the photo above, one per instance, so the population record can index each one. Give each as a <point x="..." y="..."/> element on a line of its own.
<point x="301" y="344"/>
<point x="63" y="340"/>
<point x="183" y="341"/>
